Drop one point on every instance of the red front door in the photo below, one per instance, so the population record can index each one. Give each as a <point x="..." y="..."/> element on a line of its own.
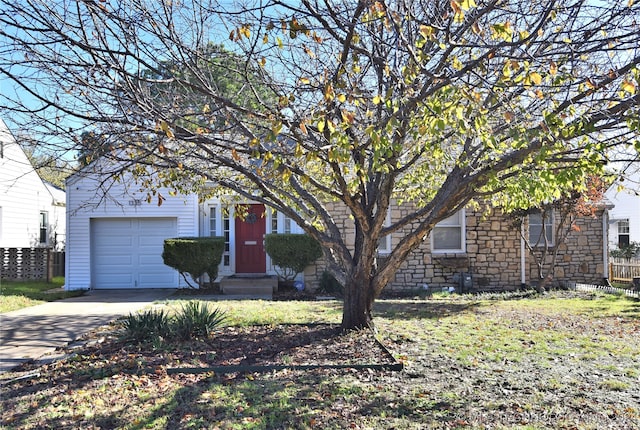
<point x="250" y="255"/>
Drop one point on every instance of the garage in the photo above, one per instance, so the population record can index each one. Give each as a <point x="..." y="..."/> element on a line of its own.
<point x="127" y="253"/>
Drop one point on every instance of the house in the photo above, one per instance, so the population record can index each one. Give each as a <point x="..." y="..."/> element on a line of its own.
<point x="115" y="237"/>
<point x="624" y="218"/>
<point x="116" y="233"/>
<point x="32" y="212"/>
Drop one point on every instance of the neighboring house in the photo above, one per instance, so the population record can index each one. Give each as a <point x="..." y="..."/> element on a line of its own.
<point x="32" y="212"/>
<point x="115" y="240"/>
<point x="624" y="218"/>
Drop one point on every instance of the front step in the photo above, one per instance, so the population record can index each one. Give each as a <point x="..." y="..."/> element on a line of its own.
<point x="248" y="285"/>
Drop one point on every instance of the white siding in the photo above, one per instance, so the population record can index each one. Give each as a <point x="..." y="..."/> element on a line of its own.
<point x="89" y="197"/>
<point x="23" y="196"/>
<point x="627" y="207"/>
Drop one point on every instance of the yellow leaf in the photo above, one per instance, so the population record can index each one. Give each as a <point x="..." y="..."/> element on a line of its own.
<point x="467" y="4"/>
<point x="328" y="92"/>
<point x="629" y="86"/>
<point x="286" y="174"/>
<point x="377" y="100"/>
<point x="348" y="117"/>
<point x="165" y="127"/>
<point x="244" y="31"/>
<point x="342" y="98"/>
<point x="305" y="81"/>
<point x="630" y="3"/>
<point x="457" y="64"/>
<point x="206" y="108"/>
<point x="427" y="31"/>
<point x="536" y="78"/>
<point x="321" y="125"/>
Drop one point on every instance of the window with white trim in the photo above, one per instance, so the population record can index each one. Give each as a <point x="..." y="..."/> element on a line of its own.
<point x="216" y="214"/>
<point x="449" y="234"/>
<point x="539" y="227"/>
<point x="384" y="243"/>
<point x="623" y="233"/>
<point x="44" y="227"/>
<point x="280" y="223"/>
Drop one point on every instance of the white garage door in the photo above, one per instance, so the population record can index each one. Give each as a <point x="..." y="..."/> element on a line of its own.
<point x="127" y="253"/>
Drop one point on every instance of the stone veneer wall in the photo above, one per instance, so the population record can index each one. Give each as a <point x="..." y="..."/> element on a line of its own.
<point x="580" y="258"/>
<point x="492" y="255"/>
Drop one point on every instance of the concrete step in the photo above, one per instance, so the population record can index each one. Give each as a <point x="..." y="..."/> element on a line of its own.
<point x="249" y="285"/>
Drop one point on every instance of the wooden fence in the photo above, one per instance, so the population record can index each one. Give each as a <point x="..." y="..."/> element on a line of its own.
<point x="623" y="270"/>
<point x="22" y="264"/>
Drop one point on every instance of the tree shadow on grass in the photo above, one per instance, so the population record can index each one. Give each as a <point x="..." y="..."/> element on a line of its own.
<point x="407" y="310"/>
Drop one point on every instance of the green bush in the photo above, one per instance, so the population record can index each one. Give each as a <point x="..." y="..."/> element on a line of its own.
<point x="627" y="251"/>
<point x="329" y="284"/>
<point x="291" y="252"/>
<point x="194" y="320"/>
<point x="194" y="255"/>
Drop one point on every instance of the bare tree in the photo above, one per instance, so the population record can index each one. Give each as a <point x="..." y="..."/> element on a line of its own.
<point x="433" y="103"/>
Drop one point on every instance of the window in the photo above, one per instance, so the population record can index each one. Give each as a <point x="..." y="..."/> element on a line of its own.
<point x="539" y="227"/>
<point x="623" y="233"/>
<point x="449" y="234"/>
<point x="44" y="227"/>
<point x="384" y="243"/>
<point x="214" y="215"/>
<point x="280" y="223"/>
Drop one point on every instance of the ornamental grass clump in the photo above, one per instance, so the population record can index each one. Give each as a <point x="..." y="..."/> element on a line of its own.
<point x="195" y="320"/>
<point x="147" y="326"/>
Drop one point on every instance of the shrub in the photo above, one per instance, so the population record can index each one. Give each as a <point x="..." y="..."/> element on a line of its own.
<point x="197" y="320"/>
<point x="148" y="325"/>
<point x="194" y="255"/>
<point x="627" y="251"/>
<point x="329" y="284"/>
<point x="194" y="320"/>
<point x="291" y="253"/>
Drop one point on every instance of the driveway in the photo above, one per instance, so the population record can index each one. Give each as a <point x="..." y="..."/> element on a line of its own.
<point x="34" y="333"/>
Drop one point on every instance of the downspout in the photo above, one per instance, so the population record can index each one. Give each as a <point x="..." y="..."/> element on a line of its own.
<point x="523" y="261"/>
<point x="605" y="246"/>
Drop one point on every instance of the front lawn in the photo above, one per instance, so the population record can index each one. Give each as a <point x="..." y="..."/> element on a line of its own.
<point x="21" y="294"/>
<point x="565" y="360"/>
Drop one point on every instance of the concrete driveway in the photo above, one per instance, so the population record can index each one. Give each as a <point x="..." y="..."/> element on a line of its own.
<point x="34" y="333"/>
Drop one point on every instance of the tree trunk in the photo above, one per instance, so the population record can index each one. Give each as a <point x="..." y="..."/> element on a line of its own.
<point x="359" y="295"/>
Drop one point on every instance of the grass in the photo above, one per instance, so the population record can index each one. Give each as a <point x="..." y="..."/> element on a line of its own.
<point x="16" y="295"/>
<point x="471" y="363"/>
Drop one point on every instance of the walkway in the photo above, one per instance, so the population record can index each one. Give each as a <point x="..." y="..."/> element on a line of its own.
<point x="35" y="332"/>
